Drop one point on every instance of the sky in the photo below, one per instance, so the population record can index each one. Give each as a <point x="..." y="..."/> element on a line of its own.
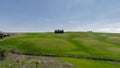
<point x="70" y="15"/>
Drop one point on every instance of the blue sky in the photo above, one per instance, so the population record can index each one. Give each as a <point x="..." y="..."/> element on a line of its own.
<point x="70" y="15"/>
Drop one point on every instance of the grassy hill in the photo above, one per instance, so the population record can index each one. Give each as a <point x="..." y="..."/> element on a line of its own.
<point x="100" y="45"/>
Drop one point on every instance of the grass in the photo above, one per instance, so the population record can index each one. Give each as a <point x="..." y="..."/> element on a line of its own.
<point x="70" y="43"/>
<point x="39" y="45"/>
<point x="100" y="45"/>
<point x="83" y="63"/>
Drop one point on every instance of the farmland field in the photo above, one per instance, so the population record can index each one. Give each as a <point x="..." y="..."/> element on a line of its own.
<point x="86" y="44"/>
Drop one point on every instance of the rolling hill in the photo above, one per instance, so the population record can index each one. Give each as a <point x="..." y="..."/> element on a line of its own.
<point x="87" y="44"/>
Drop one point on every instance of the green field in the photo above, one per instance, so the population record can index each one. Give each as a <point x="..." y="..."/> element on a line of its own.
<point x="83" y="63"/>
<point x="100" y="45"/>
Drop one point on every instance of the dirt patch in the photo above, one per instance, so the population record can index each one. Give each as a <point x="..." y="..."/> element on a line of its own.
<point x="25" y="61"/>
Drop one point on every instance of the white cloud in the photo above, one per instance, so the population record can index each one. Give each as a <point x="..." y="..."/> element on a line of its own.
<point x="111" y="30"/>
